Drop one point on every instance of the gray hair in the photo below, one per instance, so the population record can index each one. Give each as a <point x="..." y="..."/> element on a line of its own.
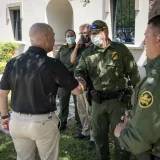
<point x="86" y="25"/>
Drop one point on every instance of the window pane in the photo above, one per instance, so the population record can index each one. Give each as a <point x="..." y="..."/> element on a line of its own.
<point x="125" y="21"/>
<point x="17" y="25"/>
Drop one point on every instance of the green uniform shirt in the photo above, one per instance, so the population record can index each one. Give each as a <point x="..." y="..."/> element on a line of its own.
<point x="80" y="51"/>
<point x="143" y="130"/>
<point x="64" y="55"/>
<point x="108" y="67"/>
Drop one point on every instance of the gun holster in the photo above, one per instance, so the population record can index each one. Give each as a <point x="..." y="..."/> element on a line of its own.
<point x="99" y="96"/>
<point x="125" y="96"/>
<point x="52" y="101"/>
<point x="96" y="97"/>
<point x="89" y="96"/>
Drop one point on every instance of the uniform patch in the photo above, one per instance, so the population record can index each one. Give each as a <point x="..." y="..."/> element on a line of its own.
<point x="150" y="80"/>
<point x="114" y="56"/>
<point x="146" y="99"/>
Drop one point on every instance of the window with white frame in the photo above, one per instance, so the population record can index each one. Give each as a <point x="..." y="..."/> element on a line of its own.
<point x="16" y="24"/>
<point x="14" y="15"/>
<point x="125" y="21"/>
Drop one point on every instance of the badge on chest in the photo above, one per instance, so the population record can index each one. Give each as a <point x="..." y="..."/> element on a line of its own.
<point x="114" y="55"/>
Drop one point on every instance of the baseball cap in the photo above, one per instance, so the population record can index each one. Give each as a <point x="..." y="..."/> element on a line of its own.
<point x="98" y="24"/>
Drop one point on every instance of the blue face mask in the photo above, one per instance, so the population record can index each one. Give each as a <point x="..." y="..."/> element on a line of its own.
<point x="96" y="40"/>
<point x="70" y="40"/>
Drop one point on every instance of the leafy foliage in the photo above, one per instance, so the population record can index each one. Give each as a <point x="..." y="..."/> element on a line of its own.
<point x="125" y="17"/>
<point x="7" y="51"/>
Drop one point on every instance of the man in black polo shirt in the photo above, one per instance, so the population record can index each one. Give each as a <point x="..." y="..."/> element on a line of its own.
<point x="34" y="79"/>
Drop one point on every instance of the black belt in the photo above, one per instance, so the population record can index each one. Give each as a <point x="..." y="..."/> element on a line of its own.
<point x="110" y="95"/>
<point x="99" y="96"/>
<point x="34" y="114"/>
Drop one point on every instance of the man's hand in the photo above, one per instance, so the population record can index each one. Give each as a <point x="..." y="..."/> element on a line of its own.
<point x="4" y="108"/>
<point x="79" y="43"/>
<point x="82" y="82"/>
<point x="5" y="124"/>
<point x="119" y="128"/>
<point x="127" y="116"/>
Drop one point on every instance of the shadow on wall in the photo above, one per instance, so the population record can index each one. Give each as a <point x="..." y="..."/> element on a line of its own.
<point x="60" y="17"/>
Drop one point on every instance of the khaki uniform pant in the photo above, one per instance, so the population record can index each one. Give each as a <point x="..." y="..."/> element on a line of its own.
<point x="35" y="131"/>
<point x="84" y="111"/>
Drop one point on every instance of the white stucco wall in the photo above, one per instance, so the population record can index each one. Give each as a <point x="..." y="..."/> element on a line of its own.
<point x="32" y="13"/>
<point x="95" y="10"/>
<point x="65" y="14"/>
<point x="141" y="21"/>
<point x="59" y="15"/>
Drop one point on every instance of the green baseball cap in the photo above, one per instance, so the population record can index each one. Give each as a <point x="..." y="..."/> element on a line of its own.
<point x="98" y="24"/>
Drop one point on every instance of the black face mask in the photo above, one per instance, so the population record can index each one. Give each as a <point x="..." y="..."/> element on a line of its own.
<point x="85" y="39"/>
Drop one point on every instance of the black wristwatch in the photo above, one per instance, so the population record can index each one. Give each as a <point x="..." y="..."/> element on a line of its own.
<point x="6" y="116"/>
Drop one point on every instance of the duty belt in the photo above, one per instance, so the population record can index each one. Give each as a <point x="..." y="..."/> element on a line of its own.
<point x="99" y="96"/>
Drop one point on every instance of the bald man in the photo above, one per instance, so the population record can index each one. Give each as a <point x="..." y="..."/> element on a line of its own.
<point x="34" y="78"/>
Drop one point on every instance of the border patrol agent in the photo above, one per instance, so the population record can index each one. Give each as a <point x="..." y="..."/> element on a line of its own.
<point x="107" y="63"/>
<point x="141" y="133"/>
<point x="64" y="55"/>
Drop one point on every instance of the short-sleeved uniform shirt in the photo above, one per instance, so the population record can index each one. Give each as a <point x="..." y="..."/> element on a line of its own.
<point x="64" y="55"/>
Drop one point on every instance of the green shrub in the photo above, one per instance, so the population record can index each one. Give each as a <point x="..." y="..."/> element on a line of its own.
<point x="7" y="51"/>
<point x="2" y="66"/>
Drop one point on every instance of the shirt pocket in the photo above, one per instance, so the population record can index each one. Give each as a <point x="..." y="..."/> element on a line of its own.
<point x="113" y="69"/>
<point x="65" y="57"/>
<point x="93" y="68"/>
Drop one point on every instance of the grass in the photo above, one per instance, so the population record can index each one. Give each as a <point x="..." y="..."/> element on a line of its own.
<point x="70" y="149"/>
<point x="7" y="151"/>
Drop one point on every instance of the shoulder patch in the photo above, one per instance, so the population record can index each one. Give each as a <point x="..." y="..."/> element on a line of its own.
<point x="146" y="99"/>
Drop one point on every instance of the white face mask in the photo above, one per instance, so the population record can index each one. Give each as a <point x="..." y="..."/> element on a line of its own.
<point x="70" y="40"/>
<point x="96" y="40"/>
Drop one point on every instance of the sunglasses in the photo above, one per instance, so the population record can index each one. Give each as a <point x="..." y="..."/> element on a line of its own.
<point x="96" y="27"/>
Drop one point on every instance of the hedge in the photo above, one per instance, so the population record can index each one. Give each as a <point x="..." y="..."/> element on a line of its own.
<point x="7" y="51"/>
